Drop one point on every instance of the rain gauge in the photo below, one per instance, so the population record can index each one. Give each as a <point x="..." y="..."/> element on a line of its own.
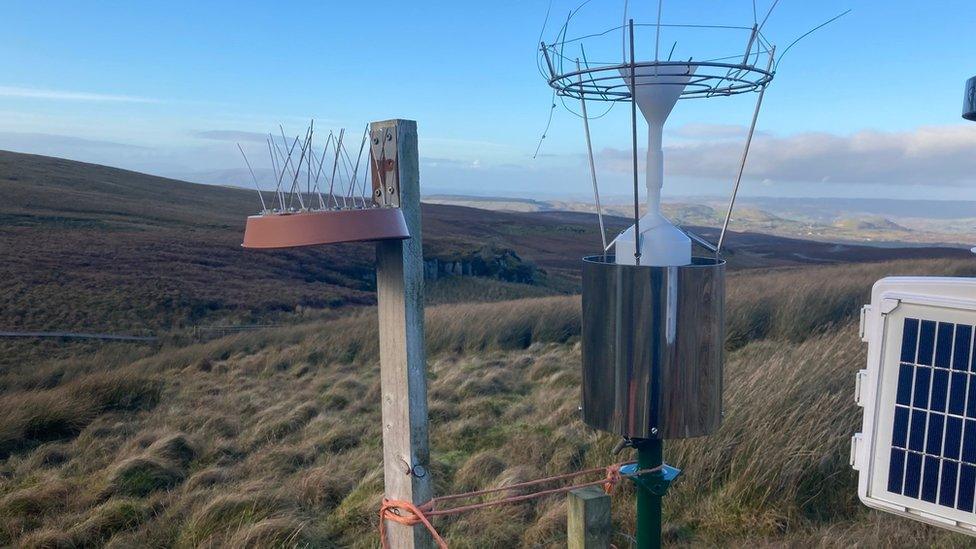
<point x="653" y="310"/>
<point x="653" y="325"/>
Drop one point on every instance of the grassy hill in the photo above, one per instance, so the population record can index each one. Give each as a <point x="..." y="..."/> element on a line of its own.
<point x="272" y="438"/>
<point x="93" y="248"/>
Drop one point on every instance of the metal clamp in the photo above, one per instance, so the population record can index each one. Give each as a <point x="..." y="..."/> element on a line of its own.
<point x="657" y="482"/>
<point x="385" y="167"/>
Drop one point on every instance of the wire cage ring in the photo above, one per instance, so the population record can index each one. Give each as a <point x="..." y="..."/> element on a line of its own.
<point x="707" y="79"/>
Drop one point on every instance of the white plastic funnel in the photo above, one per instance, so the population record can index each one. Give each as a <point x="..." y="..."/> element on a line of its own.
<point x="662" y="244"/>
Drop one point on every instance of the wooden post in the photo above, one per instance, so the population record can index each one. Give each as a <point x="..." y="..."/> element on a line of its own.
<point x="400" y="301"/>
<point x="588" y="519"/>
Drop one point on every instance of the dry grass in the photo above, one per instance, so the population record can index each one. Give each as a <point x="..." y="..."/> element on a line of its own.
<point x="33" y="417"/>
<point x="273" y="439"/>
<point x="792" y="304"/>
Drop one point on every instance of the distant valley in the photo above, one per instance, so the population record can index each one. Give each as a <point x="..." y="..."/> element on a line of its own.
<point x="882" y="222"/>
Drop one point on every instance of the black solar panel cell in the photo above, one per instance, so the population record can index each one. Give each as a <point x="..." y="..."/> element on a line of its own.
<point x="933" y="442"/>
<point x="926" y="343"/>
<point x="962" y="349"/>
<point x="948" y="483"/>
<point x="967" y="487"/>
<point x="952" y="443"/>
<point x="940" y="390"/>
<point x="906" y="372"/>
<point x="943" y="348"/>
<point x="957" y="393"/>
<point x="913" y="474"/>
<point x="896" y="466"/>
<point x="909" y="342"/>
<point x="923" y="378"/>
<point x="900" y="431"/>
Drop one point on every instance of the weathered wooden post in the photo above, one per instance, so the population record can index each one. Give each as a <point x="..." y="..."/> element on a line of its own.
<point x="400" y="300"/>
<point x="588" y="523"/>
<point x="392" y="220"/>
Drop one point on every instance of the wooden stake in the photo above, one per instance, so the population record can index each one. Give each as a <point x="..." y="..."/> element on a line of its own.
<point x="403" y="363"/>
<point x="588" y="519"/>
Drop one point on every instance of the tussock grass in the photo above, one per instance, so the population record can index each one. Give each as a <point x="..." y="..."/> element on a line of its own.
<point x="228" y="514"/>
<point x="276" y="442"/>
<point x="793" y="304"/>
<point x="32" y="417"/>
<point x="274" y="532"/>
<point x="108" y="519"/>
<point x="141" y="476"/>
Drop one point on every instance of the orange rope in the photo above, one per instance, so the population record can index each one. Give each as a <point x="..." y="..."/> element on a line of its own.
<point x="390" y="510"/>
<point x="406" y="513"/>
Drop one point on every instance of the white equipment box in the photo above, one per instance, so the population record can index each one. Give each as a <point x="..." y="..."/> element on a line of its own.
<point x="916" y="454"/>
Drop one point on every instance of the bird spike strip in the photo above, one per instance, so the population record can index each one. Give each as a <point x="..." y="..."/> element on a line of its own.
<point x="409" y="514"/>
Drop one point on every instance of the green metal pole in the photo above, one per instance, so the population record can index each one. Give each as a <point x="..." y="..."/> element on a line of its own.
<point x="650" y="454"/>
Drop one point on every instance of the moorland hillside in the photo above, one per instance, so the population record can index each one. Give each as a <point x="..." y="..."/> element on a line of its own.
<point x="92" y="248"/>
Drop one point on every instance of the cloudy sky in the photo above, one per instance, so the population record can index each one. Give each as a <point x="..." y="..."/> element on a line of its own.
<point x="868" y="106"/>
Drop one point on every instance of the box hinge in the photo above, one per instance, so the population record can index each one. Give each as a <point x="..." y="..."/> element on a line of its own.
<point x="856" y="441"/>
<point x="864" y="331"/>
<point x="860" y="381"/>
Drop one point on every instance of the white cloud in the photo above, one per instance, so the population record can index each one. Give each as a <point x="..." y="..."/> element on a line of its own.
<point x="938" y="155"/>
<point x="64" y="95"/>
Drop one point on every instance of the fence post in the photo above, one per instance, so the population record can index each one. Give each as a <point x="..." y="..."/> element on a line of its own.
<point x="400" y="303"/>
<point x="588" y="523"/>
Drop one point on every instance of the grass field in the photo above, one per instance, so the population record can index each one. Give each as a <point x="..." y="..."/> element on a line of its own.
<point x="272" y="438"/>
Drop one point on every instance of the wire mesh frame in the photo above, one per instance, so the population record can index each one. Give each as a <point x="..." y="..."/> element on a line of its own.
<point x="708" y="79"/>
<point x="603" y="81"/>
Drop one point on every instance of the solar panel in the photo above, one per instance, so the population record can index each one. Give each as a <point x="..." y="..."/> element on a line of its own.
<point x="917" y="452"/>
<point x="931" y="416"/>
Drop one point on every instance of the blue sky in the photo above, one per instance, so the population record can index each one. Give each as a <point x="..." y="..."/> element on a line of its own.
<point x="868" y="105"/>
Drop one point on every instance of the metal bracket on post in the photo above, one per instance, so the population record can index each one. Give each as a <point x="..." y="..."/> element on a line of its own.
<point x="657" y="482"/>
<point x="383" y="144"/>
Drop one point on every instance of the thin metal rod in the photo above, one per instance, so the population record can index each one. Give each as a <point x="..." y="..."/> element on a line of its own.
<point x="321" y="160"/>
<point x="355" y="171"/>
<point x="289" y="165"/>
<point x="258" y="187"/>
<point x="284" y="168"/>
<point x="308" y="178"/>
<point x="365" y="169"/>
<point x="296" y="187"/>
<point x="347" y="169"/>
<point x="808" y="33"/>
<point x="318" y="173"/>
<point x="742" y="163"/>
<point x="752" y="39"/>
<point x="623" y="34"/>
<point x="633" y="132"/>
<point x="274" y="165"/>
<point x="768" y="13"/>
<point x="545" y="53"/>
<point x="335" y="165"/>
<point x="657" y="35"/>
<point x="589" y="154"/>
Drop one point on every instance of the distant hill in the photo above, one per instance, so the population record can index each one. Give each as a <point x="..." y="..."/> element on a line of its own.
<point x="103" y="249"/>
<point x="869" y="224"/>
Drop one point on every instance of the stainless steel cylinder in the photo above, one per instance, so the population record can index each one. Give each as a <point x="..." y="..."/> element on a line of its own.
<point x="652" y="345"/>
